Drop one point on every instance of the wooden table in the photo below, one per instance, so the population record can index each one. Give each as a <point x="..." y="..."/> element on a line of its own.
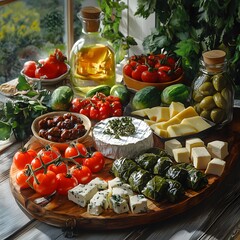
<point x="217" y="217"/>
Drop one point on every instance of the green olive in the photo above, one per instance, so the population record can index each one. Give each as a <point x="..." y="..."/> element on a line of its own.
<point x="206" y="89"/>
<point x="197" y="108"/>
<point x="217" y="115"/>
<point x="219" y="82"/>
<point x="207" y="103"/>
<point x="197" y="96"/>
<point x="205" y="114"/>
<point x="226" y="93"/>
<point x="219" y="100"/>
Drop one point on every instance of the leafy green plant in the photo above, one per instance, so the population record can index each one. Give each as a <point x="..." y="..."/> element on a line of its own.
<point x="111" y="22"/>
<point x="190" y="27"/>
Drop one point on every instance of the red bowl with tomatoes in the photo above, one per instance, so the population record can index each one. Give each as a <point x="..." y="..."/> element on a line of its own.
<point x="160" y="70"/>
<point x="74" y="127"/>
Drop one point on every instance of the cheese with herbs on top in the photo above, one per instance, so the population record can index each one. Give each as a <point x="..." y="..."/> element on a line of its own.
<point x="138" y="204"/>
<point x="200" y="157"/>
<point x="119" y="204"/>
<point x="218" y="149"/>
<point x="216" y="167"/>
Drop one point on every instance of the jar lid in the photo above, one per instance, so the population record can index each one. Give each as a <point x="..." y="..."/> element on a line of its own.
<point x="214" y="57"/>
<point x="90" y="12"/>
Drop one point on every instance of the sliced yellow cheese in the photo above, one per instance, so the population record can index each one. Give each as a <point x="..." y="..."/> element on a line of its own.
<point x="200" y="157"/>
<point x="181" y="155"/>
<point x="216" y="167"/>
<point x="175" y="108"/>
<point x="170" y="145"/>
<point x="158" y="114"/>
<point x="218" y="149"/>
<point x="186" y="113"/>
<point x="160" y="132"/>
<point x="149" y="122"/>
<point x="180" y="130"/>
<point x="165" y="125"/>
<point x="193" y="142"/>
<point x="140" y="113"/>
<point x="197" y="122"/>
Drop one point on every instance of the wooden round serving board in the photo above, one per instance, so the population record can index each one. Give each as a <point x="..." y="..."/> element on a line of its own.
<point x="58" y="211"/>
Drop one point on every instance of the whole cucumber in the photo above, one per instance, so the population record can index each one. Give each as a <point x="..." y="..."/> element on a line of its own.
<point x="105" y="89"/>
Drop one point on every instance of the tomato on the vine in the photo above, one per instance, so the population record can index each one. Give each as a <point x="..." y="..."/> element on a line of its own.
<point x="95" y="163"/>
<point x="150" y="76"/>
<point x="49" y="154"/>
<point x="21" y="179"/>
<point x="137" y="72"/>
<point x="76" y="151"/>
<point x="46" y="183"/>
<point x="58" y="168"/>
<point x="29" y="68"/>
<point x="23" y="157"/>
<point x="94" y="113"/>
<point x="82" y="173"/>
<point x="76" y="105"/>
<point x="127" y="69"/>
<point x="65" y="182"/>
<point x="164" y="76"/>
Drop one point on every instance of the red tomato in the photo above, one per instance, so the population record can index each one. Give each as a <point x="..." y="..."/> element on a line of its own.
<point x="21" y="179"/>
<point x="95" y="163"/>
<point x="48" y="70"/>
<point x="62" y="68"/>
<point x="137" y="73"/>
<point x="49" y="154"/>
<point x="133" y="64"/>
<point x="23" y="157"/>
<point x="74" y="150"/>
<point x="127" y="69"/>
<point x="166" y="69"/>
<point x="36" y="163"/>
<point x="86" y="110"/>
<point x="104" y="110"/>
<point x="65" y="182"/>
<point x="47" y="183"/>
<point x="83" y="174"/>
<point x="150" y="76"/>
<point x="111" y="99"/>
<point x="170" y="61"/>
<point x="59" y="168"/>
<point x="163" y="76"/>
<point x="76" y="105"/>
<point x="94" y="113"/>
<point x="29" y="68"/>
<point x="177" y="73"/>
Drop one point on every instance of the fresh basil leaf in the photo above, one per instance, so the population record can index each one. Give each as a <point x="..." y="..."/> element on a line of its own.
<point x="23" y="84"/>
<point x="5" y="131"/>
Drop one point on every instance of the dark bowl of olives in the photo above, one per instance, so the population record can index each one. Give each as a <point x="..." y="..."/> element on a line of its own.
<point x="59" y="129"/>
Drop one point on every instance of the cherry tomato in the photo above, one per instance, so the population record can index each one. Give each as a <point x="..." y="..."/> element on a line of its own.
<point x="137" y="73"/>
<point x="58" y="168"/>
<point x="76" y="105"/>
<point x="74" y="150"/>
<point x="98" y="97"/>
<point x="170" y="61"/>
<point x="163" y="76"/>
<point x="49" y="154"/>
<point x="127" y="69"/>
<point x="29" y="68"/>
<point x="48" y="70"/>
<point x="134" y="64"/>
<point x="83" y="174"/>
<point x="65" y="182"/>
<point x="177" y="72"/>
<point x="21" y="179"/>
<point x="23" y="157"/>
<point x="47" y="183"/>
<point x="62" y="68"/>
<point x="94" y="113"/>
<point x="37" y="163"/>
<point x="104" y="110"/>
<point x="117" y="113"/>
<point x="86" y="110"/>
<point x="166" y="69"/>
<point x="95" y="163"/>
<point x="150" y="76"/>
<point x="111" y="99"/>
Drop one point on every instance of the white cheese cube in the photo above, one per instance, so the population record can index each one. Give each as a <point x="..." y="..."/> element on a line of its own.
<point x="181" y="155"/>
<point x="119" y="204"/>
<point x="98" y="203"/>
<point x="193" y="142"/>
<point x="171" y="144"/>
<point x="116" y="182"/>
<point x="216" y="167"/>
<point x="218" y="149"/>
<point x="138" y="203"/>
<point x="81" y="194"/>
<point x="100" y="183"/>
<point x="201" y="157"/>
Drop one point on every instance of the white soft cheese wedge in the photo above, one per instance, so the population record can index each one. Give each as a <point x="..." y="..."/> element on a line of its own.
<point x="193" y="142"/>
<point x="216" y="167"/>
<point x="170" y="145"/>
<point x="180" y="130"/>
<point x="200" y="157"/>
<point x="100" y="183"/>
<point x="140" y="113"/>
<point x="124" y="146"/>
<point x="158" y="114"/>
<point x="181" y="155"/>
<point x="81" y="194"/>
<point x="119" y="204"/>
<point x="138" y="203"/>
<point x="218" y="149"/>
<point x="175" y="108"/>
<point x="196" y="122"/>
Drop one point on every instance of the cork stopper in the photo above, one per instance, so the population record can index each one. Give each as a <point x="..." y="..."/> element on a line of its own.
<point x="91" y="18"/>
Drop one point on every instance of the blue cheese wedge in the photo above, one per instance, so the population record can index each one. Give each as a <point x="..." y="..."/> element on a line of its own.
<point x="115" y="182"/>
<point x="82" y="194"/>
<point x="138" y="203"/>
<point x="98" y="203"/>
<point x="100" y="183"/>
<point x="124" y="191"/>
<point x="124" y="146"/>
<point x="119" y="204"/>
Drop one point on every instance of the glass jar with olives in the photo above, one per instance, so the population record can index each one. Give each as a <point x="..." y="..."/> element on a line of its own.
<point x="212" y="93"/>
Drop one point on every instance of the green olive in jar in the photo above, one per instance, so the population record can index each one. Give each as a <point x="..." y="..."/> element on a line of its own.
<point x="197" y="108"/>
<point x="205" y="114"/>
<point x="217" y="115"/>
<point x="219" y="82"/>
<point x="219" y="100"/>
<point x="207" y="89"/>
<point x="207" y="103"/>
<point x="197" y="96"/>
<point x="226" y="93"/>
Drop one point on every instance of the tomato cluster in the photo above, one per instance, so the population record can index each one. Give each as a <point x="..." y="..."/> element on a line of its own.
<point x="153" y="68"/>
<point x="51" y="67"/>
<point x="50" y="171"/>
<point x="98" y="107"/>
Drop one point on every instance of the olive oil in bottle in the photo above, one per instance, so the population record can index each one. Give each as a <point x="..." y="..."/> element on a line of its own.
<point x="92" y="59"/>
